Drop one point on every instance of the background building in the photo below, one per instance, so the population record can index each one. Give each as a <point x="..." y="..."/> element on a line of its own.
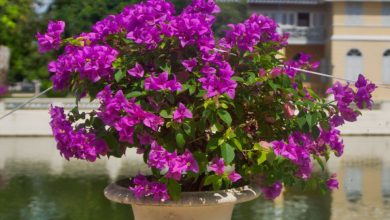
<point x="348" y="37"/>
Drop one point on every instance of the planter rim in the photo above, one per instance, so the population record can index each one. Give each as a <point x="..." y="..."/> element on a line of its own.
<point x="118" y="192"/>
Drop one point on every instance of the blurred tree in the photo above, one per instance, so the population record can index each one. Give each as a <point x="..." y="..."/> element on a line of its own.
<point x="18" y="24"/>
<point x="231" y="13"/>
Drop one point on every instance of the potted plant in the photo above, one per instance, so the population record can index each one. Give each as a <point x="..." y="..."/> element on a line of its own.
<point x="218" y="121"/>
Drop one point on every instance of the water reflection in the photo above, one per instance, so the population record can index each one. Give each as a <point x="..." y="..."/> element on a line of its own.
<point x="35" y="183"/>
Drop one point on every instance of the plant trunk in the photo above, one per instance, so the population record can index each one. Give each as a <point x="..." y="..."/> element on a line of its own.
<point x="5" y="55"/>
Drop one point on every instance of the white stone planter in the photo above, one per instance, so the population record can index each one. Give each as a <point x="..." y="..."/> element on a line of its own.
<point x="192" y="205"/>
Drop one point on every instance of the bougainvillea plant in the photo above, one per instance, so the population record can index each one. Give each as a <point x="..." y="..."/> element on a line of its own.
<point x="205" y="113"/>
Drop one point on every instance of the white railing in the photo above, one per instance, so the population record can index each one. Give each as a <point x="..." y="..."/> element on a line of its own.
<point x="305" y="35"/>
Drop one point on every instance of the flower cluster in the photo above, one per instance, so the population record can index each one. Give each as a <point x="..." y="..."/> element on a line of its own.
<point x="344" y="96"/>
<point x="204" y="113"/>
<point x="273" y="191"/>
<point x="52" y="38"/>
<point x="247" y="35"/>
<point x="177" y="165"/>
<point x="124" y="115"/>
<point x="161" y="82"/>
<point x="218" y="167"/>
<point x="91" y="62"/>
<point x="79" y="144"/>
<point x="145" y="188"/>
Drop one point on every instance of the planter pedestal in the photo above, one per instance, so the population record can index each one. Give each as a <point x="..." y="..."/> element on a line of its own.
<point x="192" y="205"/>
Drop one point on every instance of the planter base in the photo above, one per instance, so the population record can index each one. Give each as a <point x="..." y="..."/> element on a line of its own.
<point x="220" y="212"/>
<point x="207" y="205"/>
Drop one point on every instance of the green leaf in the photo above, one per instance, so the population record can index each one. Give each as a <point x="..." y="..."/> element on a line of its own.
<point x="225" y="116"/>
<point x="229" y="134"/>
<point x="174" y="189"/>
<point x="320" y="162"/>
<point x="315" y="133"/>
<point x="273" y="85"/>
<point x="113" y="143"/>
<point x="309" y="120"/>
<point x="119" y="75"/>
<point x="164" y="114"/>
<point x="210" y="180"/>
<point x="187" y="129"/>
<point x="262" y="158"/>
<point x="238" y="144"/>
<point x="180" y="140"/>
<point x="201" y="158"/>
<point x="227" y="153"/>
<point x="301" y="122"/>
<point x="238" y="79"/>
<point x="212" y="144"/>
<point x="217" y="184"/>
<point x="133" y="94"/>
<point x="192" y="89"/>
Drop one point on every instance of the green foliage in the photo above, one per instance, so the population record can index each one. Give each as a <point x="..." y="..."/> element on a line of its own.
<point x="18" y="25"/>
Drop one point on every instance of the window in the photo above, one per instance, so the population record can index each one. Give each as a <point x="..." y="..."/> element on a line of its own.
<point x="292" y="19"/>
<point x="386" y="13"/>
<point x="287" y="18"/>
<point x="354" y="64"/>
<point x="386" y="182"/>
<point x="303" y="19"/>
<point x="353" y="183"/>
<point x="318" y="20"/>
<point x="386" y="67"/>
<point x="353" y="11"/>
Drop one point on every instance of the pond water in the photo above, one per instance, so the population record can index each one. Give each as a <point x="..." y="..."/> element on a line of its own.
<point x="37" y="184"/>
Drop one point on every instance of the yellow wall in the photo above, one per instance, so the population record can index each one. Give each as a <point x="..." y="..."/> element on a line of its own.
<point x="372" y="61"/>
<point x="371" y="38"/>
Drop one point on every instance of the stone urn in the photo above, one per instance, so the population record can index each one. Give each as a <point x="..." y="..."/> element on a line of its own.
<point x="204" y="205"/>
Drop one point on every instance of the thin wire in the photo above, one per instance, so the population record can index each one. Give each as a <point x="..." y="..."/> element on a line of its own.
<point x="25" y="103"/>
<point x="298" y="69"/>
<point x="381" y="85"/>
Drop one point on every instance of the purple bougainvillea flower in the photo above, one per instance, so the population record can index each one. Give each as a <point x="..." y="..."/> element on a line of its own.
<point x="234" y="176"/>
<point x="137" y="71"/>
<point x="176" y="167"/>
<point x="181" y="113"/>
<point x="145" y="138"/>
<point x="252" y="31"/>
<point x="153" y="121"/>
<point x="189" y="64"/>
<point x="75" y="143"/>
<point x="142" y="187"/>
<point x="161" y="82"/>
<point x="91" y="62"/>
<point x="218" y="166"/>
<point x="107" y="26"/>
<point x="344" y="96"/>
<point x="175" y="164"/>
<point x="203" y="6"/>
<point x="273" y="191"/>
<point x="333" y="139"/>
<point x="363" y="98"/>
<point x="125" y="128"/>
<point x="52" y="38"/>
<point x="190" y="162"/>
<point x="297" y="153"/>
<point x="159" y="191"/>
<point x="158" y="156"/>
<point x="332" y="182"/>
